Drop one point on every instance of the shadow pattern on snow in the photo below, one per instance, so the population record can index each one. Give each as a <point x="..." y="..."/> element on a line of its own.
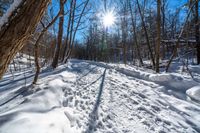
<point x="8" y="85"/>
<point x="93" y="116"/>
<point x="24" y="91"/>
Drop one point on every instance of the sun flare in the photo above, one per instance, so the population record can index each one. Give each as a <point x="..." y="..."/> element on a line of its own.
<point x="108" y="19"/>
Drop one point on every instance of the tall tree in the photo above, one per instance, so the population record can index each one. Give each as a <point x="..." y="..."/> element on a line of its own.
<point x="68" y="30"/>
<point x="135" y="34"/>
<point x="18" y="29"/>
<point x="158" y="36"/>
<point x="163" y="12"/>
<point x="71" y="31"/>
<point x="175" y="50"/>
<point x="197" y="30"/>
<point x="60" y="35"/>
<point x="36" y="47"/>
<point x="73" y="34"/>
<point x="146" y="34"/>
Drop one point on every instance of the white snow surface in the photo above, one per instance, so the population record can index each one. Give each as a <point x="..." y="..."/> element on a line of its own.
<point x="4" y="18"/>
<point x="194" y="93"/>
<point x="86" y="96"/>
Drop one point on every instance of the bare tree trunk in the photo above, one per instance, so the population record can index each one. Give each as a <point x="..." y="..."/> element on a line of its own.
<point x="163" y="27"/>
<point x="71" y="42"/>
<point x="124" y="53"/>
<point x="197" y="30"/>
<point x="178" y="40"/>
<point x="15" y="69"/>
<point x="158" y="36"/>
<point x="68" y="31"/>
<point x="20" y="26"/>
<point x="37" y="64"/>
<point x="36" y="48"/>
<point x="60" y="35"/>
<point x="146" y="35"/>
<point x="135" y="35"/>
<point x="78" y="24"/>
<point x="72" y="25"/>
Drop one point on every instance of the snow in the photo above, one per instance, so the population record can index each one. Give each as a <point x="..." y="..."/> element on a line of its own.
<point x="50" y="122"/>
<point x="5" y="17"/>
<point x="194" y="93"/>
<point x="86" y="96"/>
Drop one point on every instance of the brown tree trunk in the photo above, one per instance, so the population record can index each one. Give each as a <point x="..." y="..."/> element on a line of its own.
<point x="158" y="36"/>
<point x="163" y="26"/>
<point x="68" y="31"/>
<point x="36" y="48"/>
<point x="146" y="34"/>
<point x="178" y="39"/>
<point x="75" y="30"/>
<point x="37" y="64"/>
<point x="20" y="26"/>
<point x="197" y="30"/>
<point x="71" y="32"/>
<point x="135" y="35"/>
<point x="60" y="35"/>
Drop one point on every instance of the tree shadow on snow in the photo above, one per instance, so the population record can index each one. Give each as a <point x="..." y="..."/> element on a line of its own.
<point x="23" y="91"/>
<point x="29" y="78"/>
<point x="93" y="116"/>
<point x="178" y="111"/>
<point x="89" y="71"/>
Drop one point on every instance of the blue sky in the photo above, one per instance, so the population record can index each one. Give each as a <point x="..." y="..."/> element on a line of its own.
<point x="172" y="4"/>
<point x="176" y="3"/>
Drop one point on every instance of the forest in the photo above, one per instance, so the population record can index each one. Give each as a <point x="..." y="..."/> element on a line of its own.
<point x="110" y="66"/>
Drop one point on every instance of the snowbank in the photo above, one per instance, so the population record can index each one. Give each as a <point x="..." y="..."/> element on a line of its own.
<point x="53" y="121"/>
<point x="82" y="97"/>
<point x="173" y="81"/>
<point x="194" y="93"/>
<point x="41" y="109"/>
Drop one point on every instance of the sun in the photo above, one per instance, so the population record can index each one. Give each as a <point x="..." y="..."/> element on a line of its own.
<point x="108" y="19"/>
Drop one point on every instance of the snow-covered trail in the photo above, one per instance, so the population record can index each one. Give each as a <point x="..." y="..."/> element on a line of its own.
<point x="127" y="104"/>
<point x="103" y="100"/>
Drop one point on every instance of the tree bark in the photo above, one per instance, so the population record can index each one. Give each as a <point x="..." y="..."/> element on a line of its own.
<point x="21" y="24"/>
<point x="135" y="35"/>
<point x="158" y="36"/>
<point x="197" y="30"/>
<point x="146" y="34"/>
<point x="60" y="35"/>
<point x="163" y="27"/>
<point x="71" y="31"/>
<point x="76" y="28"/>
<point x="68" y="31"/>
<point x="36" y="48"/>
<point x="178" y="39"/>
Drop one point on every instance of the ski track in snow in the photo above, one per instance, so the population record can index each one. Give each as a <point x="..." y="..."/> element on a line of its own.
<point x="108" y="101"/>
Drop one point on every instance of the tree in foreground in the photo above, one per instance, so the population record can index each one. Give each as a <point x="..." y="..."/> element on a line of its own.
<point x="20" y="25"/>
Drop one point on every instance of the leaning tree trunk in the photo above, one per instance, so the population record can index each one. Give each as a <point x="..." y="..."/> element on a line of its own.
<point x="36" y="49"/>
<point x="146" y="34"/>
<point x="71" y="43"/>
<point x="178" y="39"/>
<point x="21" y="24"/>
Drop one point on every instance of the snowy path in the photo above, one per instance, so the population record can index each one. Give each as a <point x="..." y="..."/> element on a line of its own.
<point x="106" y="101"/>
<point x="129" y="104"/>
